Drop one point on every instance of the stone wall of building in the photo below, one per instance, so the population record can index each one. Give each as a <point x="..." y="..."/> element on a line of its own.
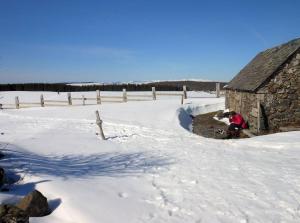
<point x="282" y="96"/>
<point x="279" y="99"/>
<point x="244" y="103"/>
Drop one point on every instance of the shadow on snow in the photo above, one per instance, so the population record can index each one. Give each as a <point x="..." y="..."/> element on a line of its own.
<point x="18" y="163"/>
<point x="82" y="166"/>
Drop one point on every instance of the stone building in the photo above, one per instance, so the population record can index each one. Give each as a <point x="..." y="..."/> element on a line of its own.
<point x="267" y="90"/>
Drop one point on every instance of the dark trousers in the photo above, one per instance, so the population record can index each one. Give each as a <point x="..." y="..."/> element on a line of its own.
<point x="233" y="130"/>
<point x="234" y="127"/>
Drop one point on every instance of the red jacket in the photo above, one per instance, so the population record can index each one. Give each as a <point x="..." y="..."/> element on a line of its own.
<point x="238" y="120"/>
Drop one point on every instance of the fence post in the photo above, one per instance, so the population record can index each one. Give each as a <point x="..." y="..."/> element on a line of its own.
<point x="182" y="97"/>
<point x="1" y="106"/>
<point x="98" y="97"/>
<point x="83" y="100"/>
<point x="42" y="101"/>
<point x="153" y="93"/>
<point x="184" y="92"/>
<point x="99" y="123"/>
<point x="17" y="102"/>
<point x="69" y="98"/>
<point x="124" y="95"/>
<point x="217" y="90"/>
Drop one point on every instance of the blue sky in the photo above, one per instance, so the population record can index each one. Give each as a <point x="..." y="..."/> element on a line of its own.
<point x="104" y="41"/>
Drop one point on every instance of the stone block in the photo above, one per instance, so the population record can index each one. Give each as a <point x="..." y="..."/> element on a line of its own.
<point x="12" y="214"/>
<point x="296" y="63"/>
<point x="34" y="204"/>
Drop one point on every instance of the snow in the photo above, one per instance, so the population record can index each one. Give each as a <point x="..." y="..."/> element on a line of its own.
<point x="150" y="168"/>
<point x="175" y="80"/>
<point x="84" y="84"/>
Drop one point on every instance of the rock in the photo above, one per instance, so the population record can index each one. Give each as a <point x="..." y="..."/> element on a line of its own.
<point x="291" y="71"/>
<point x="220" y="114"/>
<point x="12" y="214"/>
<point x="34" y="204"/>
<point x="293" y="97"/>
<point x="296" y="63"/>
<point x="2" y="177"/>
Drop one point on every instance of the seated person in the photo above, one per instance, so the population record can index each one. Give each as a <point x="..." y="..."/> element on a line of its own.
<point x="237" y="123"/>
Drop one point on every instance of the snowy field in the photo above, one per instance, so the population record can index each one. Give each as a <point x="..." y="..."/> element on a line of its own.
<point x="151" y="168"/>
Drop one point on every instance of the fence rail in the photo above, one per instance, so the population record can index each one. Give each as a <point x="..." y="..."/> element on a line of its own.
<point x="30" y="103"/>
<point x="123" y="98"/>
<point x="55" y="101"/>
<point x="138" y="99"/>
<point x="118" y="97"/>
<point x="138" y="96"/>
<point x="168" y="94"/>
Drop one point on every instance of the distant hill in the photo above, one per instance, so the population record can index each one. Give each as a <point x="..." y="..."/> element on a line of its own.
<point x="191" y="85"/>
<point x="90" y="86"/>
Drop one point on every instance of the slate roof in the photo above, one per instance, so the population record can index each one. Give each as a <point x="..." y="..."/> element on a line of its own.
<point x="254" y="74"/>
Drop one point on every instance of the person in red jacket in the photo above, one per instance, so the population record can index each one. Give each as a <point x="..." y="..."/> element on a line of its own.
<point x="237" y="123"/>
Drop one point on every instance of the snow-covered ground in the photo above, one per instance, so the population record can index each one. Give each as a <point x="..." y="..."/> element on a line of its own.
<point x="151" y="168"/>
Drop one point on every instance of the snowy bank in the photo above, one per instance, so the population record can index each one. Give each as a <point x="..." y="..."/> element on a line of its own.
<point x="150" y="169"/>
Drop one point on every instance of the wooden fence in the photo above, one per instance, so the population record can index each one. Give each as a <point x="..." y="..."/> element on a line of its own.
<point x="99" y="99"/>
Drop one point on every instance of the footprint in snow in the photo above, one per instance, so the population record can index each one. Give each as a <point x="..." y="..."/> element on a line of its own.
<point x="151" y="215"/>
<point x="122" y="195"/>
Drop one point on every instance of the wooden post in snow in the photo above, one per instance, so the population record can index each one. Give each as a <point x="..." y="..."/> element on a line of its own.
<point x="182" y="98"/>
<point x="98" y="97"/>
<point x="83" y="100"/>
<point x="69" y="98"/>
<point x="42" y="101"/>
<point x="17" y="102"/>
<point x="153" y="93"/>
<point x="124" y="95"/>
<point x="217" y="90"/>
<point x="99" y="123"/>
<point x="184" y="91"/>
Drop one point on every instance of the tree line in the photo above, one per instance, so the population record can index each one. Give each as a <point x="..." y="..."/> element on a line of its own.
<point x="159" y="86"/>
<point x="68" y="88"/>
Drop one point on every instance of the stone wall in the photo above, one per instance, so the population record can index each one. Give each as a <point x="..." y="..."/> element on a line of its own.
<point x="279" y="99"/>
<point x="244" y="103"/>
<point x="282" y="96"/>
